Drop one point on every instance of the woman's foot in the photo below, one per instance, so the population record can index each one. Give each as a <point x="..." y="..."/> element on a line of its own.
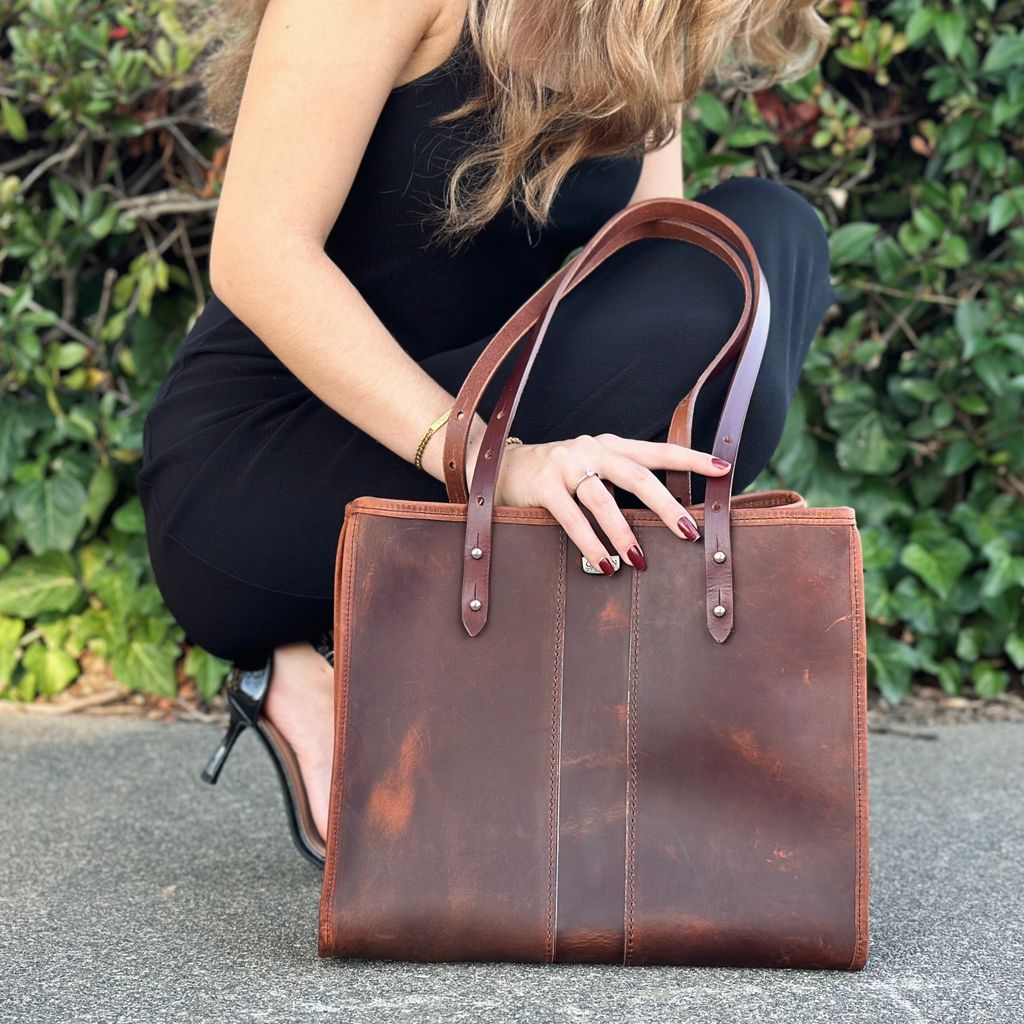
<point x="300" y="702"/>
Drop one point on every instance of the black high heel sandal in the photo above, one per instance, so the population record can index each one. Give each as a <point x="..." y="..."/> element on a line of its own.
<point x="246" y="692"/>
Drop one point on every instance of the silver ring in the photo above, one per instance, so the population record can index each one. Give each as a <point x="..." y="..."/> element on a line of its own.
<point x="589" y="472"/>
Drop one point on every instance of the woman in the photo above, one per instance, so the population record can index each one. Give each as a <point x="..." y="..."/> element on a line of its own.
<point x="366" y="249"/>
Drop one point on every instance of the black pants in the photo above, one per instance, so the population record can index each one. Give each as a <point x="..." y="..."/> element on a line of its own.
<point x="246" y="472"/>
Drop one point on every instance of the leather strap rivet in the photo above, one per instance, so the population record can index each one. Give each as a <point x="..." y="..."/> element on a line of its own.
<point x="727" y="439"/>
<point x="479" y="499"/>
<point x="477" y="552"/>
<point x="718" y="611"/>
<point x="716" y="506"/>
<point x="719" y="557"/>
<point x="476" y="604"/>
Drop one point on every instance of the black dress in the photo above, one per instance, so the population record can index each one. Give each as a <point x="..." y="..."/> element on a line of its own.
<point x="245" y="472"/>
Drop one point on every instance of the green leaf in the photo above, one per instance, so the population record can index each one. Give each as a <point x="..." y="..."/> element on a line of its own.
<point x="960" y="455"/>
<point x="950" y="676"/>
<point x="13" y="121"/>
<point x="1005" y="53"/>
<point x="104" y="223"/>
<point x="870" y="445"/>
<point x="988" y="680"/>
<point x="1015" y="648"/>
<point x="950" y="27"/>
<point x="102" y="488"/>
<point x="1005" y="208"/>
<point x="66" y="199"/>
<point x="920" y="24"/>
<point x="39" y="583"/>
<point x="712" y="113"/>
<point x="146" y="666"/>
<point x="208" y="671"/>
<point x="53" y="669"/>
<point x="15" y="432"/>
<point x="892" y="663"/>
<point x="851" y="243"/>
<point x="890" y="259"/>
<point x="752" y="135"/>
<point x="11" y="631"/>
<point x="1004" y="571"/>
<point x="70" y="354"/>
<point x="939" y="564"/>
<point x="129" y="518"/>
<point x="51" y="512"/>
<point x="113" y="586"/>
<point x="969" y="643"/>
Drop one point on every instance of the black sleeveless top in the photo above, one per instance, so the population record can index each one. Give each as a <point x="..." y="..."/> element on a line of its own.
<point x="430" y="297"/>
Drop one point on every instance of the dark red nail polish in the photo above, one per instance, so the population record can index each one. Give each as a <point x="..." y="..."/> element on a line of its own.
<point x="688" y="528"/>
<point x="720" y="463"/>
<point x="605" y="565"/>
<point x="636" y="556"/>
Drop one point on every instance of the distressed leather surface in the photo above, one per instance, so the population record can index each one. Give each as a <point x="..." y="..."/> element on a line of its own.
<point x="593" y="777"/>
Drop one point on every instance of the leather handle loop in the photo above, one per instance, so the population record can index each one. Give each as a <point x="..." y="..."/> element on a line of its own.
<point x="676" y="218"/>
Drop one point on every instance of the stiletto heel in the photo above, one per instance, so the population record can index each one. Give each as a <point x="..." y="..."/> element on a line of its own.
<point x="220" y="755"/>
<point x="246" y="691"/>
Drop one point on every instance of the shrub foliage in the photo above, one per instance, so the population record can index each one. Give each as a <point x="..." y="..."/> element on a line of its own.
<point x="907" y="140"/>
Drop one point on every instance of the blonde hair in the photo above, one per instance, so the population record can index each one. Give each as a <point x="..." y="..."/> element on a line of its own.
<point x="623" y="66"/>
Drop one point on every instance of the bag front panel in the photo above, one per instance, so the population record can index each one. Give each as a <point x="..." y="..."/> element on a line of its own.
<point x="593" y="777"/>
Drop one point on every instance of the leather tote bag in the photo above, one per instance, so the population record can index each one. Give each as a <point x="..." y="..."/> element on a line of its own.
<point x="537" y="763"/>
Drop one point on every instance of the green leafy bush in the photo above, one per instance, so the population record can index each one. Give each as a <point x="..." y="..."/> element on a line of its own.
<point x="907" y="140"/>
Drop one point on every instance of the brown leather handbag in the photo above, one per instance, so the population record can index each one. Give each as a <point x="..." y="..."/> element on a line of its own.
<point x="534" y="762"/>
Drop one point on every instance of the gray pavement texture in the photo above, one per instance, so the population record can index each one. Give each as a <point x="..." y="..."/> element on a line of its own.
<point x="129" y="891"/>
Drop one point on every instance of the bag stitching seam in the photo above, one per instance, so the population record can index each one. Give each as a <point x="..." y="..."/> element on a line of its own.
<point x="554" y="774"/>
<point x="631" y="725"/>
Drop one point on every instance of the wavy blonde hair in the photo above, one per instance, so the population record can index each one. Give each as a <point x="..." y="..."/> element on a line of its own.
<point x="623" y="66"/>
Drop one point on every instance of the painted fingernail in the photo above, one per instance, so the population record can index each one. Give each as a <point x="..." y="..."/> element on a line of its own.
<point x="605" y="565"/>
<point x="720" y="463"/>
<point x="689" y="527"/>
<point x="636" y="556"/>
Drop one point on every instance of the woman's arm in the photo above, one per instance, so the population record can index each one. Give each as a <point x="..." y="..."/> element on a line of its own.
<point x="320" y="74"/>
<point x="662" y="171"/>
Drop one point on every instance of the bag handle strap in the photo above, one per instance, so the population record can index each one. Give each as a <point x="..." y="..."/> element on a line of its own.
<point x="528" y="316"/>
<point x="675" y="218"/>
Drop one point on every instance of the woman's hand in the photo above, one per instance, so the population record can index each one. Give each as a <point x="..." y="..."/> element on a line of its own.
<point x="545" y="474"/>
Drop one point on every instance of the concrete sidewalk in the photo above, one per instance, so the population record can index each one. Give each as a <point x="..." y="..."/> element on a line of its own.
<point x="129" y="891"/>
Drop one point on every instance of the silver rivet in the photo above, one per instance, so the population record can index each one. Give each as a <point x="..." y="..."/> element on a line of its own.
<point x="718" y="611"/>
<point x="477" y="553"/>
<point x="476" y="604"/>
<point x="719" y="557"/>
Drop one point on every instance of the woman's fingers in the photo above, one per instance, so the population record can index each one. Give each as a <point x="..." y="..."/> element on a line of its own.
<point x="628" y="463"/>
<point x="665" y="455"/>
<point x="639" y="480"/>
<point x="596" y="496"/>
<point x="564" y="508"/>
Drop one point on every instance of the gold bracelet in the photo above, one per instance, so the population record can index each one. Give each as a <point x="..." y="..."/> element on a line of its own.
<point x="513" y="440"/>
<point x="437" y="424"/>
